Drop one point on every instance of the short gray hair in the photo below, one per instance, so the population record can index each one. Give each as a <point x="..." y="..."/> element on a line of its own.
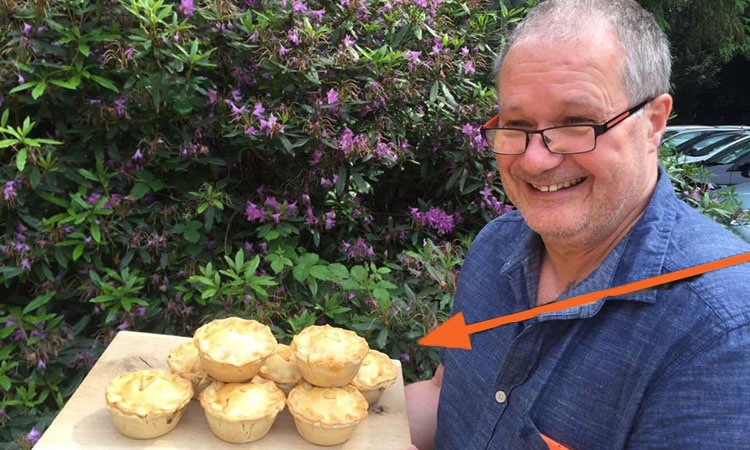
<point x="647" y="62"/>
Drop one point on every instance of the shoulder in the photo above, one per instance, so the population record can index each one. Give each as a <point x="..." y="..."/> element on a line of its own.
<point x="499" y="233"/>
<point x="725" y="293"/>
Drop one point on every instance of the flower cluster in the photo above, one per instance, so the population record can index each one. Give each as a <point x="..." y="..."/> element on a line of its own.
<point x="436" y="219"/>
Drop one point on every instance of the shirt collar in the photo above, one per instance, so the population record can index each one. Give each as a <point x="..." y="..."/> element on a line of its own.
<point x="640" y="254"/>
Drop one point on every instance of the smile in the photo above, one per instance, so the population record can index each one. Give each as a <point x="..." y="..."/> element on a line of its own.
<point x="555" y="187"/>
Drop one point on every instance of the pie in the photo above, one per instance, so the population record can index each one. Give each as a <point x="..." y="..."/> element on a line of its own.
<point x="242" y="412"/>
<point x="185" y="362"/>
<point x="328" y="356"/>
<point x="376" y="373"/>
<point x="148" y="403"/>
<point x="281" y="368"/>
<point x="233" y="349"/>
<point x="326" y="416"/>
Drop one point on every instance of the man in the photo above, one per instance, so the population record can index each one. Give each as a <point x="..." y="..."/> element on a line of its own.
<point x="582" y="94"/>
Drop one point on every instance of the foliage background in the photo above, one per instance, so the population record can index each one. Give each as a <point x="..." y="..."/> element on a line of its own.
<point x="166" y="163"/>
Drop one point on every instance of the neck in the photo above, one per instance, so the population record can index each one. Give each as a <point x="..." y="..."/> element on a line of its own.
<point x="565" y="263"/>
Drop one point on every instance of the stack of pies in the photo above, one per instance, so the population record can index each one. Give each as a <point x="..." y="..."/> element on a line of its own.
<point x="240" y="374"/>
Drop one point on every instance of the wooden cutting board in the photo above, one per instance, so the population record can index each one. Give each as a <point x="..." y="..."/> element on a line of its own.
<point x="84" y="421"/>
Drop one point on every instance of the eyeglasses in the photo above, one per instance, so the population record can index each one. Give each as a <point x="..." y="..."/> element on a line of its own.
<point x="564" y="139"/>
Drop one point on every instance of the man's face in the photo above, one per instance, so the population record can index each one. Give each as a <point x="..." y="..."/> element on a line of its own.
<point x="546" y="84"/>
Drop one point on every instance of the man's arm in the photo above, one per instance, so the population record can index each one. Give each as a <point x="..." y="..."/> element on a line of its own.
<point x="421" y="406"/>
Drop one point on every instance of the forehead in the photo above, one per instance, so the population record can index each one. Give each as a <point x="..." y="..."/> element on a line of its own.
<point x="581" y="71"/>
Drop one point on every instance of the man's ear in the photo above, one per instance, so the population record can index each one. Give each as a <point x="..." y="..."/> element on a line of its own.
<point x="657" y="112"/>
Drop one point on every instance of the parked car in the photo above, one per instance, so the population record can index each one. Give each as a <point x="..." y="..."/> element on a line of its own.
<point x="703" y="151"/>
<point x="731" y="165"/>
<point x="742" y="191"/>
<point x="675" y="137"/>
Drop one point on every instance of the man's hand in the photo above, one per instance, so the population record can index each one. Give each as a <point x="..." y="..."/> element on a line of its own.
<point x="421" y="405"/>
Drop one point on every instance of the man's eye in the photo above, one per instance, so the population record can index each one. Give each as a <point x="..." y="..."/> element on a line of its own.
<point x="579" y="120"/>
<point x="517" y="124"/>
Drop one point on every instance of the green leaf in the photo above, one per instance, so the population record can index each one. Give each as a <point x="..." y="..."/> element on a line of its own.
<point x="38" y="90"/>
<point x="338" y="271"/>
<point x="192" y="235"/>
<point x="382" y="338"/>
<point x="8" y="142"/>
<point x="96" y="233"/>
<point x="358" y="273"/>
<point x="381" y="295"/>
<point x="78" y="251"/>
<point x="83" y="48"/>
<point x="300" y="273"/>
<point x="4" y="118"/>
<point x="105" y="82"/>
<point x="52" y="199"/>
<point x="139" y="190"/>
<point x="5" y="383"/>
<point x="72" y="83"/>
<point x="21" y="159"/>
<point x="22" y="87"/>
<point x="39" y="301"/>
<point x="320" y="272"/>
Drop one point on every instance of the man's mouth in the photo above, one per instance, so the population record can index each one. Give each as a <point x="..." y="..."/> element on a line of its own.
<point x="558" y="186"/>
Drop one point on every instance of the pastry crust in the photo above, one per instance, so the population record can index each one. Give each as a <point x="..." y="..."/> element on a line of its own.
<point x="328" y="356"/>
<point x="242" y="412"/>
<point x="233" y="349"/>
<point x="326" y="416"/>
<point x="281" y="368"/>
<point x="184" y="360"/>
<point x="147" y="403"/>
<point x="376" y="373"/>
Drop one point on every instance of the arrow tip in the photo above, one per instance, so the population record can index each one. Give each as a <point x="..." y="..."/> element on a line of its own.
<point x="452" y="334"/>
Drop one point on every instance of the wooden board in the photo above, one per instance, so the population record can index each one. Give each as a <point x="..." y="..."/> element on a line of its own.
<point x="84" y="422"/>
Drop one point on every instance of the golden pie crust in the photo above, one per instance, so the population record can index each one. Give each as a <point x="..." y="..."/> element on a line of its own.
<point x="281" y="368"/>
<point x="148" y="403"/>
<point x="242" y="412"/>
<point x="328" y="356"/>
<point x="185" y="362"/>
<point x="376" y="373"/>
<point x="233" y="349"/>
<point x="326" y="416"/>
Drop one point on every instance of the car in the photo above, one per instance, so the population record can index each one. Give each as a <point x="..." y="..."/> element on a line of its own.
<point x="742" y="192"/>
<point x="703" y="150"/>
<point x="676" y="136"/>
<point x="731" y="165"/>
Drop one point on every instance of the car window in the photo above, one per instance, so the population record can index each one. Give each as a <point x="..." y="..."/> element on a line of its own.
<point x="714" y="147"/>
<point x="732" y="153"/>
<point x="680" y="138"/>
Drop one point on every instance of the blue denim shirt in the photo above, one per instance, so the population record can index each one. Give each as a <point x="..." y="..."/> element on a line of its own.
<point x="664" y="368"/>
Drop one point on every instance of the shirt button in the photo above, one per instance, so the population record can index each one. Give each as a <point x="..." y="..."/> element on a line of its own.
<point x="500" y="397"/>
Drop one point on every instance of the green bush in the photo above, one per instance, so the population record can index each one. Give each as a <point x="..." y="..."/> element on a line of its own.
<point x="296" y="162"/>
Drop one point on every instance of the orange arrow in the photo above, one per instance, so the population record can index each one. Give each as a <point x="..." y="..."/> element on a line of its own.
<point x="454" y="333"/>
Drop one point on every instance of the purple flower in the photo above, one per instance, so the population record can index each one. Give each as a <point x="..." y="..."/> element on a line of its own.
<point x="9" y="192"/>
<point x="213" y="97"/>
<point x="404" y="357"/>
<point x="26" y="265"/>
<point x="349" y="41"/>
<point x="330" y="220"/>
<point x="40" y="365"/>
<point x="469" y="67"/>
<point x="298" y="6"/>
<point x="283" y="50"/>
<point x="3" y="415"/>
<point x="315" y="158"/>
<point x="359" y="250"/>
<point x="413" y="56"/>
<point x="464" y="51"/>
<point x="252" y="212"/>
<point x="235" y="111"/>
<point x="333" y="97"/>
<point x="236" y="95"/>
<point x="251" y="131"/>
<point x="124" y="325"/>
<point x="21" y="79"/>
<point x="435" y="218"/>
<point x="294" y="37"/>
<point x="273" y="203"/>
<point x="32" y="436"/>
<point x="120" y="106"/>
<point x="129" y="52"/>
<point x="26" y="29"/>
<point x="186" y="7"/>
<point x="258" y="110"/>
<point x="137" y="156"/>
<point x="317" y="14"/>
<point x="310" y="217"/>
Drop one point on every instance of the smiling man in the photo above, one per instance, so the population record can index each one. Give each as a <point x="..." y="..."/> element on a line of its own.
<point x="583" y="102"/>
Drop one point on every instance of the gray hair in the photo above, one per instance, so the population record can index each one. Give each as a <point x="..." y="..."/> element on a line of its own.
<point x="647" y="63"/>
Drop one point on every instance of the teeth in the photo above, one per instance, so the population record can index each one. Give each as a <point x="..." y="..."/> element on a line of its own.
<point x="554" y="187"/>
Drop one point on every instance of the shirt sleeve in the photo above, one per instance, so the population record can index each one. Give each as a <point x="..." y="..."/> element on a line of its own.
<point x="704" y="403"/>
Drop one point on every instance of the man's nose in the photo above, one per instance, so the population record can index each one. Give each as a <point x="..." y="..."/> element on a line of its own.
<point x="538" y="158"/>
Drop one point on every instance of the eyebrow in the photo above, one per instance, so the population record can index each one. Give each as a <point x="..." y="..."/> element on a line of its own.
<point x="572" y="103"/>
